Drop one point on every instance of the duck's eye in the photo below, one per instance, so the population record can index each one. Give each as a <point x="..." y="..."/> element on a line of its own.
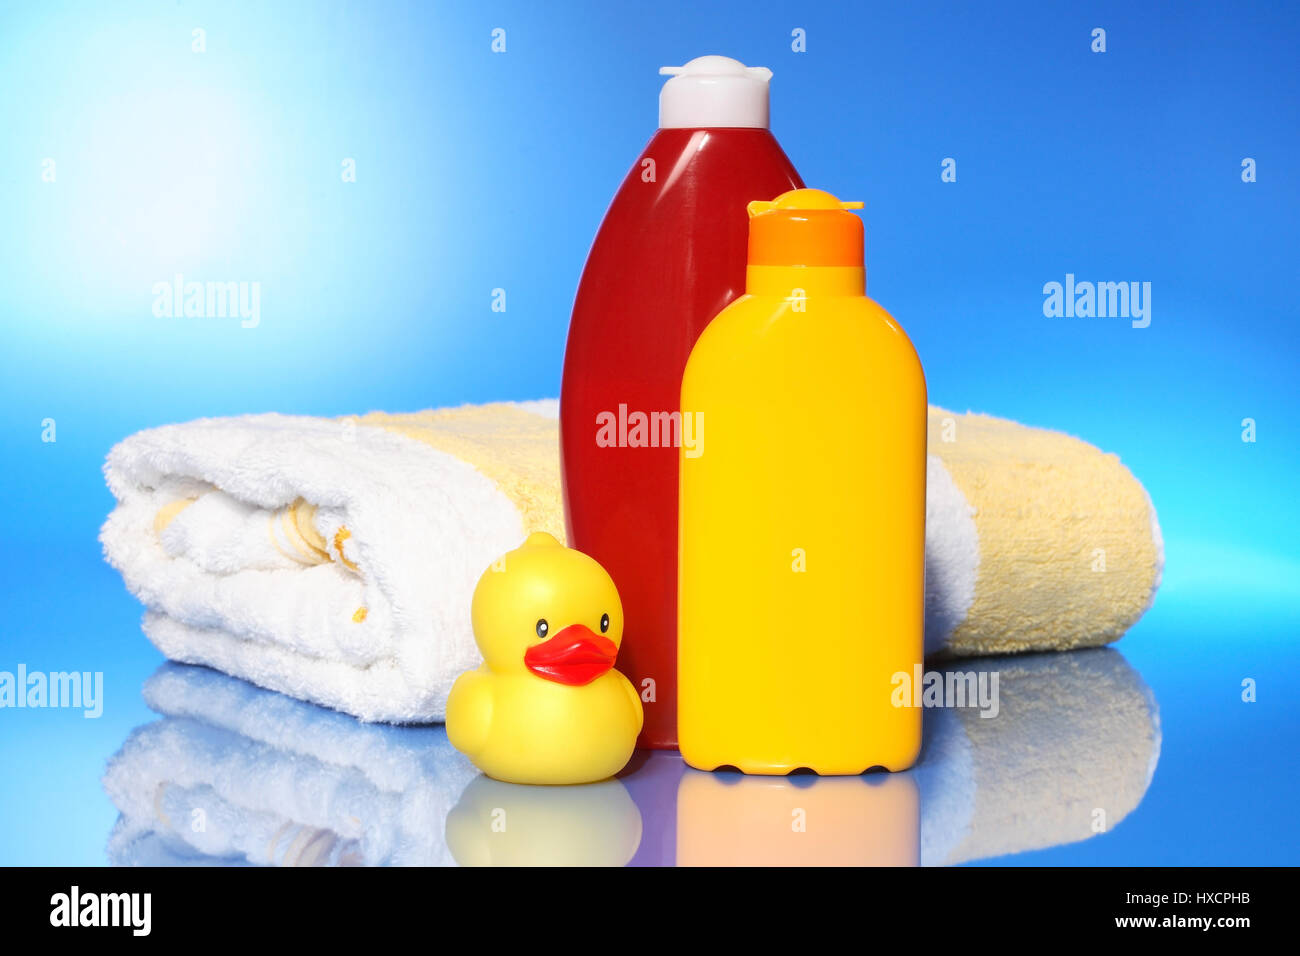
<point x="604" y="623"/>
<point x="542" y="627"/>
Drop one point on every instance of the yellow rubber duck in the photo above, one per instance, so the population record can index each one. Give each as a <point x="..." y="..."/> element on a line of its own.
<point x="546" y="706"/>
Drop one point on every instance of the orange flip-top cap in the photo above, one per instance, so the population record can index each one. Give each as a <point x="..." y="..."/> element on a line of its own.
<point x="804" y="227"/>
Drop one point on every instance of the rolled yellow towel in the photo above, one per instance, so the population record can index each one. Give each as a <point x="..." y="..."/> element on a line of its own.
<point x="1067" y="549"/>
<point x="1034" y="540"/>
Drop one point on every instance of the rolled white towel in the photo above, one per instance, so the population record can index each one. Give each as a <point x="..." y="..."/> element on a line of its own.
<point x="331" y="560"/>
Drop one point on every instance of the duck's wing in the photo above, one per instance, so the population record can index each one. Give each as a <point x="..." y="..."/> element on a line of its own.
<point x="469" y="712"/>
<point x="635" y="699"/>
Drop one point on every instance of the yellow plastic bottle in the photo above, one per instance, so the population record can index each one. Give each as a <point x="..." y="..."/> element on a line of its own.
<point x="802" y="517"/>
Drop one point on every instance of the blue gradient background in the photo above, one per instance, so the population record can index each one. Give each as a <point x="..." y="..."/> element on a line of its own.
<point x="478" y="170"/>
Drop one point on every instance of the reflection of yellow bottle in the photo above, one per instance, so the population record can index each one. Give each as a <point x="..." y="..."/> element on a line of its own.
<point x="758" y="821"/>
<point x="802" y="511"/>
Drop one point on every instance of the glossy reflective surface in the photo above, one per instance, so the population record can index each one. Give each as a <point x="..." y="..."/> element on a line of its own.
<point x="229" y="773"/>
<point x="1141" y="754"/>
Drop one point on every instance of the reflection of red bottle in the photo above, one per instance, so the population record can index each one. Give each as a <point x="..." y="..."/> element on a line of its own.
<point x="669" y="255"/>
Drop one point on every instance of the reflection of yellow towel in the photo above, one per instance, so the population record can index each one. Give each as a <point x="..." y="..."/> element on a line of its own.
<point x="334" y="560"/>
<point x="1070" y="754"/>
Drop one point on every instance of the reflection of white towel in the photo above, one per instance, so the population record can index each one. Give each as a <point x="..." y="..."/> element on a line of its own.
<point x="235" y="774"/>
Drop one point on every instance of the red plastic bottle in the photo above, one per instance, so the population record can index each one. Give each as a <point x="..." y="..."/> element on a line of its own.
<point x="670" y="254"/>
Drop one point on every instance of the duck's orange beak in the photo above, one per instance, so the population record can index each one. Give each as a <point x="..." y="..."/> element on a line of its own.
<point x="577" y="655"/>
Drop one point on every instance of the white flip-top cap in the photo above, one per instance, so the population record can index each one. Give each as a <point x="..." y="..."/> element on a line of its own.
<point x="714" y="91"/>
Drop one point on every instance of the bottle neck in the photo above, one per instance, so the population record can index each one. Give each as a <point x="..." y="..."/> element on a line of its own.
<point x="788" y="281"/>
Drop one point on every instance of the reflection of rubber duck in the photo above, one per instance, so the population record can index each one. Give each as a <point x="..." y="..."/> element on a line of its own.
<point x="500" y="824"/>
<point x="546" y="705"/>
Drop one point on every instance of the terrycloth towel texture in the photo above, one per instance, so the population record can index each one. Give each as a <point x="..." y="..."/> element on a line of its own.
<point x="330" y="560"/>
<point x="235" y="774"/>
<point x="334" y="560"/>
<point x="1034" y="540"/>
